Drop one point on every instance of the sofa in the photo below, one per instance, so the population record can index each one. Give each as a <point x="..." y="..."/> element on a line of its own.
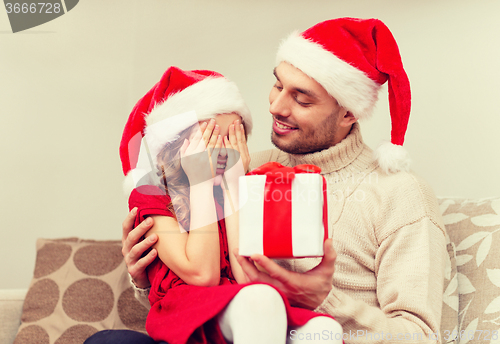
<point x="82" y="286"/>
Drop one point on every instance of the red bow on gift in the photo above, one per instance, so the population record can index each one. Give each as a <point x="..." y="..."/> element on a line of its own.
<point x="278" y="209"/>
<point x="275" y="168"/>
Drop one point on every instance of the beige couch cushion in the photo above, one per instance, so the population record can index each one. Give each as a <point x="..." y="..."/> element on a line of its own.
<point x="449" y="319"/>
<point x="11" y="305"/>
<point x="473" y="227"/>
<point x="79" y="287"/>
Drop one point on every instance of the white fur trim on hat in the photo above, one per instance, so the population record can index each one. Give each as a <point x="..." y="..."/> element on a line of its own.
<point x="353" y="90"/>
<point x="132" y="179"/>
<point x="200" y="101"/>
<point x="208" y="98"/>
<point x="392" y="158"/>
<point x="161" y="132"/>
<point x="145" y="169"/>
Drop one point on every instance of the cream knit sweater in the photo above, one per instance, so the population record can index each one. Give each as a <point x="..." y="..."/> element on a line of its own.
<point x="390" y="243"/>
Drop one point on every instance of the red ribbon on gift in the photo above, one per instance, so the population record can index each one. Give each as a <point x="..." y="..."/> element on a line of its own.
<point x="278" y="206"/>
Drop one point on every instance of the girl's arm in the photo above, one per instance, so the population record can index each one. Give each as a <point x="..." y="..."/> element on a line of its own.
<point x="195" y="255"/>
<point x="235" y="143"/>
<point x="232" y="225"/>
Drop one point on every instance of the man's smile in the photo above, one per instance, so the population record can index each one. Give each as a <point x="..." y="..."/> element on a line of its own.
<point x="281" y="128"/>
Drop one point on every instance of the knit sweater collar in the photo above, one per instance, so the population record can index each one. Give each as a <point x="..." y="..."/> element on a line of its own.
<point x="350" y="153"/>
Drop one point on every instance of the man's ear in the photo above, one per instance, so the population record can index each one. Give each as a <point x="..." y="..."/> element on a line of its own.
<point x="347" y="119"/>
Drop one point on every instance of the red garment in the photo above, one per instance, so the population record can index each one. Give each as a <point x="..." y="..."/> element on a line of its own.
<point x="182" y="313"/>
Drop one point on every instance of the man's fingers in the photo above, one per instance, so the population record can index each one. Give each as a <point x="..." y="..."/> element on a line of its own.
<point x="138" y="270"/>
<point x="247" y="266"/>
<point x="135" y="236"/>
<point x="137" y="250"/>
<point x="327" y="264"/>
<point x="253" y="274"/>
<point x="145" y="261"/>
<point x="330" y="253"/>
<point x="128" y="224"/>
<point x="274" y="270"/>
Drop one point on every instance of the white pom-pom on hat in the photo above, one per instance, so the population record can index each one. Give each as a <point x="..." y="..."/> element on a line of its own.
<point x="392" y="158"/>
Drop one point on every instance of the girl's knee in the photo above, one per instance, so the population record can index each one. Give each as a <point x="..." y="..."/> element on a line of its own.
<point x="256" y="314"/>
<point x="322" y="329"/>
<point x="259" y="293"/>
<point x="260" y="297"/>
<point x="324" y="322"/>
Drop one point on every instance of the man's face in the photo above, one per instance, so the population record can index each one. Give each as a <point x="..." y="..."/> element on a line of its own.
<point x="305" y="116"/>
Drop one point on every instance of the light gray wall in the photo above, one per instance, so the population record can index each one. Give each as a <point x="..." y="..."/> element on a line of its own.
<point x="67" y="87"/>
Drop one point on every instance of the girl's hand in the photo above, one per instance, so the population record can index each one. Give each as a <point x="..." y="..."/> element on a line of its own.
<point x="238" y="158"/>
<point x="199" y="153"/>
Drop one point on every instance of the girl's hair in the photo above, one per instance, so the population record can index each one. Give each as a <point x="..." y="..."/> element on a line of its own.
<point x="173" y="178"/>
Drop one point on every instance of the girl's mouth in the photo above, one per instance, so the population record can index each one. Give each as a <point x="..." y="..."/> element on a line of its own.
<point x="221" y="166"/>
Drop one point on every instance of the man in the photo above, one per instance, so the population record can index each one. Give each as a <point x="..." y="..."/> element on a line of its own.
<point x="388" y="238"/>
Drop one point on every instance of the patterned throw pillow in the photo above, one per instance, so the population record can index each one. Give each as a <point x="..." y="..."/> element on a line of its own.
<point x="473" y="227"/>
<point x="449" y="318"/>
<point x="79" y="287"/>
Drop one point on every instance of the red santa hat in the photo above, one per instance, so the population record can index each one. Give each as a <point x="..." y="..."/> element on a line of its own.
<point x="351" y="58"/>
<point x="178" y="101"/>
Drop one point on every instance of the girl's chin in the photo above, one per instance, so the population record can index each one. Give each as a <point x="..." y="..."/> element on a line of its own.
<point x="218" y="179"/>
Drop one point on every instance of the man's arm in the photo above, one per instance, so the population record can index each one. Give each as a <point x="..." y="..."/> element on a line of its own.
<point x="409" y="270"/>
<point x="409" y="288"/>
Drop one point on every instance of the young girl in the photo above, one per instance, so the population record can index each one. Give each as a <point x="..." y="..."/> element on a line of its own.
<point x="190" y="128"/>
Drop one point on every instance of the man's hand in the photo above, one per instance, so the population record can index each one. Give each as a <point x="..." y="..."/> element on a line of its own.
<point x="306" y="290"/>
<point x="133" y="247"/>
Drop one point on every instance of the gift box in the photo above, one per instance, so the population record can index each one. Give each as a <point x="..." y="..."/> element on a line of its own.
<point x="283" y="211"/>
